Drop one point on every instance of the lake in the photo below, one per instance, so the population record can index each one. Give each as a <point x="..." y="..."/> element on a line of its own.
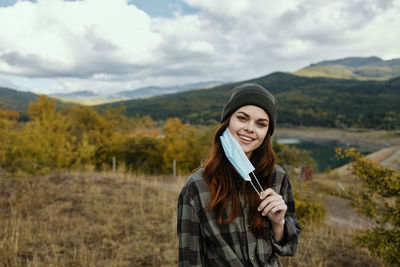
<point x="324" y="155"/>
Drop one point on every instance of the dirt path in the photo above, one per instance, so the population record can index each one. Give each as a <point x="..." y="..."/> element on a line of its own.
<point x="341" y="213"/>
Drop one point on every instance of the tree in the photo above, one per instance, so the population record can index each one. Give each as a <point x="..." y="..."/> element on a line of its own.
<point x="379" y="200"/>
<point x="45" y="141"/>
<point x="9" y="127"/>
<point x="291" y="156"/>
<point x="95" y="131"/>
<point x="176" y="144"/>
<point x="140" y="153"/>
<point x="184" y="143"/>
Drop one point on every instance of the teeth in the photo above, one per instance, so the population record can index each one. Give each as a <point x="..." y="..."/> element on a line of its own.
<point x="245" y="138"/>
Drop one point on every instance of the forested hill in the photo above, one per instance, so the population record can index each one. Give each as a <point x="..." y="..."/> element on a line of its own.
<point x="302" y="101"/>
<point x="360" y="68"/>
<point x="16" y="100"/>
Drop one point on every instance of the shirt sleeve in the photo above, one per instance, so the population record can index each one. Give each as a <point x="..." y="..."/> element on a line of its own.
<point x="189" y="233"/>
<point x="287" y="246"/>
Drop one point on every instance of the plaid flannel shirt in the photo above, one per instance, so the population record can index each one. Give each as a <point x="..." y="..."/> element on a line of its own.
<point x="202" y="242"/>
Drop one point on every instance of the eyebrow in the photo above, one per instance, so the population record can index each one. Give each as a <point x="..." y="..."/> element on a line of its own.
<point x="247" y="115"/>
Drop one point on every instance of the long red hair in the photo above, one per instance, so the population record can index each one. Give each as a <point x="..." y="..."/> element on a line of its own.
<point x="219" y="175"/>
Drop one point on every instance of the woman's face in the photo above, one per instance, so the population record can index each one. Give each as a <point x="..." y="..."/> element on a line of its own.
<point x="249" y="125"/>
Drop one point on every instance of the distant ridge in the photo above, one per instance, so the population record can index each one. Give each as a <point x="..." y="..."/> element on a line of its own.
<point x="91" y="98"/>
<point x="353" y="62"/>
<point x="303" y="101"/>
<point x="76" y="94"/>
<point x="16" y="100"/>
<point x="360" y="68"/>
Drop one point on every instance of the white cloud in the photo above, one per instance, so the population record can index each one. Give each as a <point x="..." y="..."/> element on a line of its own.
<point x="108" y="45"/>
<point x="304" y="31"/>
<point x="56" y="38"/>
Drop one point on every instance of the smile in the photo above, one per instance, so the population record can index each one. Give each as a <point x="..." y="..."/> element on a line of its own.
<point x="245" y="138"/>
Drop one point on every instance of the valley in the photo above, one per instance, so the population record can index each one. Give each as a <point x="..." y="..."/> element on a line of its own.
<point x="361" y="139"/>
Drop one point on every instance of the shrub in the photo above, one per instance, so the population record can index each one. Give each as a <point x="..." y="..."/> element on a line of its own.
<point x="310" y="210"/>
<point x="379" y="199"/>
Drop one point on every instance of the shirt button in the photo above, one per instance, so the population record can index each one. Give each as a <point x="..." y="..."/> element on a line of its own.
<point x="252" y="258"/>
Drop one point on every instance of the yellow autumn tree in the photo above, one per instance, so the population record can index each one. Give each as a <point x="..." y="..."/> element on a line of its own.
<point x="9" y="127"/>
<point x="175" y="138"/>
<point x="137" y="144"/>
<point x="185" y="144"/>
<point x="93" y="132"/>
<point x="45" y="142"/>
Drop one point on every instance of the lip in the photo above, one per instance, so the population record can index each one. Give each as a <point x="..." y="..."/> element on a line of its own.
<point x="245" y="141"/>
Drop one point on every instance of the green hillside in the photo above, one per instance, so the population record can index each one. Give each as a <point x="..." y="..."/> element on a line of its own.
<point x="16" y="100"/>
<point x="302" y="101"/>
<point x="370" y="68"/>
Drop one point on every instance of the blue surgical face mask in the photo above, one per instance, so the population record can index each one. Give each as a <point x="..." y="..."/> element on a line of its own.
<point x="236" y="155"/>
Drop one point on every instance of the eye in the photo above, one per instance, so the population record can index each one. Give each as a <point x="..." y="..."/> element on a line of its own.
<point x="262" y="124"/>
<point x="242" y="118"/>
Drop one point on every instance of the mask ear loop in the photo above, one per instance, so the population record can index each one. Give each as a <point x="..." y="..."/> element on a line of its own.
<point x="254" y="187"/>
<point x="257" y="183"/>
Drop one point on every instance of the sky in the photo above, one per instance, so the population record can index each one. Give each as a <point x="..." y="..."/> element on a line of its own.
<point x="106" y="46"/>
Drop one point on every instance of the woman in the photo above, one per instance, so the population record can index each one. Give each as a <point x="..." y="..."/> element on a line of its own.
<point x="222" y="220"/>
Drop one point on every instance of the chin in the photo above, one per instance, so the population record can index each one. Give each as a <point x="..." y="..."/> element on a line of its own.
<point x="248" y="151"/>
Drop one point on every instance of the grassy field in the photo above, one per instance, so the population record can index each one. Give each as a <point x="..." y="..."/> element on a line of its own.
<point x="106" y="219"/>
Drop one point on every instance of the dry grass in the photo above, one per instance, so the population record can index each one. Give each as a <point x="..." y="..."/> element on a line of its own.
<point x="88" y="220"/>
<point x="329" y="246"/>
<point x="335" y="182"/>
<point x="105" y="219"/>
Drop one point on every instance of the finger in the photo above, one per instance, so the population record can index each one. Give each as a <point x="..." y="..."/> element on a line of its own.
<point x="279" y="208"/>
<point x="267" y="192"/>
<point x="266" y="210"/>
<point x="272" y="205"/>
<point x="267" y="200"/>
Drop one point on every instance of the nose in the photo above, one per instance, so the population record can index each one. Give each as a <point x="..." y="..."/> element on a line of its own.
<point x="249" y="127"/>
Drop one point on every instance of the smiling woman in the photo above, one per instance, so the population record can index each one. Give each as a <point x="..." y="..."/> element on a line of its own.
<point x="222" y="220"/>
<point x="249" y="125"/>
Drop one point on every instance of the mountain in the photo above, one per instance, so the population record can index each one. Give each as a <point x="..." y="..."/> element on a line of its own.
<point x="84" y="97"/>
<point x="92" y="98"/>
<point x="151" y="91"/>
<point x="360" y="68"/>
<point x="76" y="94"/>
<point x="302" y="101"/>
<point x="144" y="92"/>
<point x="16" y="100"/>
<point x="353" y="62"/>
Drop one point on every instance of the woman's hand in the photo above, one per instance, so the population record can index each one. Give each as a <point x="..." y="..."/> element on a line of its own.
<point x="274" y="207"/>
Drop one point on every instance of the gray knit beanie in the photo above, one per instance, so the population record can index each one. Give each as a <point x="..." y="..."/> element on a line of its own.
<point x="252" y="94"/>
